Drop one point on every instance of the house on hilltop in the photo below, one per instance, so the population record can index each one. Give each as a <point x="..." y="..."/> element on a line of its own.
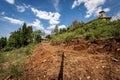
<point x="103" y="16"/>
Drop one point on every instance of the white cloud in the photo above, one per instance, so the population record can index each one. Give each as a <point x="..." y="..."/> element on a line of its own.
<point x="77" y="3"/>
<point x="3" y="13"/>
<point x="106" y="9"/>
<point x="96" y="13"/>
<point x="37" y="24"/>
<point x="92" y="6"/>
<point x="47" y="31"/>
<point x="54" y="20"/>
<point x="10" y="1"/>
<point x="116" y="17"/>
<point x="21" y="8"/>
<point x="51" y="27"/>
<point x="61" y="26"/>
<point x="26" y="6"/>
<point x="12" y="20"/>
<point x="56" y="5"/>
<point x="52" y="17"/>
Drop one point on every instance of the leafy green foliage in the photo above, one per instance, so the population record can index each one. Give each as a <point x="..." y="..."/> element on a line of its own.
<point x="91" y="30"/>
<point x="48" y="36"/>
<point x="37" y="39"/>
<point x="56" y="31"/>
<point x="16" y="70"/>
<point x="24" y="35"/>
<point x="90" y="37"/>
<point x="2" y="58"/>
<point x="20" y="38"/>
<point x="37" y="36"/>
<point x="29" y="34"/>
<point x="14" y="61"/>
<point x="116" y="28"/>
<point x="62" y="30"/>
<point x="3" y="42"/>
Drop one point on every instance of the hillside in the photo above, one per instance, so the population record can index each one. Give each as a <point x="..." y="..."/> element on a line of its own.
<point x="75" y="60"/>
<point x="13" y="62"/>
<point x="85" y="51"/>
<point x="91" y="30"/>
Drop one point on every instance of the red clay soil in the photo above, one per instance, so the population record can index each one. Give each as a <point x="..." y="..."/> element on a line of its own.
<point x="75" y="60"/>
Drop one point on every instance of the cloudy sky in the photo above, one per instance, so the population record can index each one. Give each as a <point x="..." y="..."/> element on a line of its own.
<point x="45" y="14"/>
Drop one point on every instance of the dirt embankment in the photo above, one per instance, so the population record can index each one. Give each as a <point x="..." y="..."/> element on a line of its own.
<point x="75" y="60"/>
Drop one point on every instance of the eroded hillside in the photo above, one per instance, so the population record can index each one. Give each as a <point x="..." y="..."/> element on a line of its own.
<point x="74" y="60"/>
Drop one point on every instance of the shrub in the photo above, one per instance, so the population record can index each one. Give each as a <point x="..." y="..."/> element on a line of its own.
<point x="2" y="58"/>
<point x="27" y="51"/>
<point x="69" y="37"/>
<point x="16" y="70"/>
<point x="79" y="31"/>
<point x="91" y="30"/>
<point x="116" y="31"/>
<point x="90" y="37"/>
<point x="8" y="48"/>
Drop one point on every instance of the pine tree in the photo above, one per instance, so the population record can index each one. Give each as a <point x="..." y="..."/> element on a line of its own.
<point x="29" y="34"/>
<point x="3" y="42"/>
<point x="75" y="23"/>
<point x="56" y="31"/>
<point x="62" y="30"/>
<point x="23" y="35"/>
<point x="14" y="40"/>
<point x="37" y="36"/>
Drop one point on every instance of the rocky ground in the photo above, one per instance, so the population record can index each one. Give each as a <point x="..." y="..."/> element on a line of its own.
<point x="75" y="60"/>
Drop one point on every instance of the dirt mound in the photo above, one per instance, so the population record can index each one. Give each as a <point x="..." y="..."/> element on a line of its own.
<point x="75" y="60"/>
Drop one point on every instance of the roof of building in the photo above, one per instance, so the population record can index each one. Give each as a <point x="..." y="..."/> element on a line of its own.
<point x="102" y="12"/>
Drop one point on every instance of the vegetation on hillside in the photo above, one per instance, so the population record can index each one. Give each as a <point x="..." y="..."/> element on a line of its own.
<point x="15" y="49"/>
<point x="20" y="38"/>
<point x="91" y="30"/>
<point x="12" y="63"/>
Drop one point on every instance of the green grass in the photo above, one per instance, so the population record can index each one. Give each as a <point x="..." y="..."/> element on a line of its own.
<point x="16" y="70"/>
<point x="78" y="33"/>
<point x="91" y="30"/>
<point x="12" y="62"/>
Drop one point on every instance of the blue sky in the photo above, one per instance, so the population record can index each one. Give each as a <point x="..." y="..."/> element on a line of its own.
<point x="45" y="14"/>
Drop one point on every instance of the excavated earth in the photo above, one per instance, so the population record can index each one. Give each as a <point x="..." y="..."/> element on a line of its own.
<point x="75" y="60"/>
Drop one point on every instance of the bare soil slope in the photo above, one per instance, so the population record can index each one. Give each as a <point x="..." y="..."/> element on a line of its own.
<point x="75" y="60"/>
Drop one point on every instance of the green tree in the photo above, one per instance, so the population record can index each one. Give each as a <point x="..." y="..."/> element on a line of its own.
<point x="29" y="34"/>
<point x="24" y="35"/>
<point x="48" y="36"/>
<point x="21" y="37"/>
<point x="75" y="23"/>
<point x="37" y="36"/>
<point x="62" y="30"/>
<point x="56" y="31"/>
<point x="14" y="40"/>
<point x="37" y="39"/>
<point x="73" y="26"/>
<point x="3" y="42"/>
<point x="116" y="29"/>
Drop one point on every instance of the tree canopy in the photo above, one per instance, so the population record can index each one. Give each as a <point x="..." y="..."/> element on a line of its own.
<point x="20" y="38"/>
